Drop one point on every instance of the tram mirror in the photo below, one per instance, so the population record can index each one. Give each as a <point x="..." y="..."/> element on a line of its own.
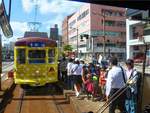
<point x="4" y="21"/>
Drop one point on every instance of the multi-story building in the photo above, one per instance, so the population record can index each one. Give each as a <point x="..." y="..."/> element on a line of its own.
<point x="65" y="39"/>
<point x="8" y="51"/>
<point x="135" y="34"/>
<point x="101" y="23"/>
<point x="54" y="33"/>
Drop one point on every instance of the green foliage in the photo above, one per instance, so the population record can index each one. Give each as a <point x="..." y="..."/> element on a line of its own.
<point x="68" y="48"/>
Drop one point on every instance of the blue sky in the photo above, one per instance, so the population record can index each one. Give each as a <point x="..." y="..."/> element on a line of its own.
<point x="49" y="12"/>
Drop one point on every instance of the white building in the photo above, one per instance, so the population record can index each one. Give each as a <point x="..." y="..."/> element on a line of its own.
<point x="135" y="33"/>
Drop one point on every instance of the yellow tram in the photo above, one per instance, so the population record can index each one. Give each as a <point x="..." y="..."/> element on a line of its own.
<point x="35" y="60"/>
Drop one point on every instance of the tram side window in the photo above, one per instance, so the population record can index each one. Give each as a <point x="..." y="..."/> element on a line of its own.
<point x="51" y="56"/>
<point x="37" y="56"/>
<point x="21" y="59"/>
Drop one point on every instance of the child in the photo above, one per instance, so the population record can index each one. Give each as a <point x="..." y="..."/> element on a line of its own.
<point x="102" y="81"/>
<point x="89" y="84"/>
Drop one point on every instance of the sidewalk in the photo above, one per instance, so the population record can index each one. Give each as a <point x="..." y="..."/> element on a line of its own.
<point x="6" y="87"/>
<point x="83" y="105"/>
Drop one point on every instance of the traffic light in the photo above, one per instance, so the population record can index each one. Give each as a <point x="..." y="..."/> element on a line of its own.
<point x="86" y="36"/>
<point x="81" y="38"/>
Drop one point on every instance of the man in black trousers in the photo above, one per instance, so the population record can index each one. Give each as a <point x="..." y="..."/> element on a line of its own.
<point x="116" y="81"/>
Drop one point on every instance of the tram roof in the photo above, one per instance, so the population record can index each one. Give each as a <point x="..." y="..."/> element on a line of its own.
<point x="27" y="40"/>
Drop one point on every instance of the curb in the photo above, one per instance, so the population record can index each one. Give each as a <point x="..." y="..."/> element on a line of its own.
<point x="75" y="106"/>
<point x="70" y="96"/>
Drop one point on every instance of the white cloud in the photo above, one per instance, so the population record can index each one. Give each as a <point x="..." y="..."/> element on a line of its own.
<point x="19" y="27"/>
<point x="58" y="6"/>
<point x="27" y="5"/>
<point x="51" y="6"/>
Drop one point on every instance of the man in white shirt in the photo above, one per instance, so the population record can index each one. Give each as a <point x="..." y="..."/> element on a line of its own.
<point x="115" y="81"/>
<point x="69" y="74"/>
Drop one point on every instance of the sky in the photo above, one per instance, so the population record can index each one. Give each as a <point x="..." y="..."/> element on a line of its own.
<point x="49" y="12"/>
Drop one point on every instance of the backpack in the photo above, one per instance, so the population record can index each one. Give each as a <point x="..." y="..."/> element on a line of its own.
<point x="129" y="93"/>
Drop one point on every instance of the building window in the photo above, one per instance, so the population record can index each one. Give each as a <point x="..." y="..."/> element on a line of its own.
<point x="107" y="33"/>
<point x="136" y="47"/>
<point x="72" y="23"/>
<point x="109" y="23"/>
<point x="99" y="44"/>
<point x="84" y="14"/>
<point x="73" y="38"/>
<point x="112" y="34"/>
<point x="114" y="23"/>
<point x="112" y="13"/>
<point x="83" y="45"/>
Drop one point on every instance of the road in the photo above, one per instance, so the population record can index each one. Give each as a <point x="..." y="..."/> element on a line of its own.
<point x="6" y="67"/>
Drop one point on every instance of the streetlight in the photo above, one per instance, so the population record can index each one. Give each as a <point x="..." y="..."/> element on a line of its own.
<point x="77" y="41"/>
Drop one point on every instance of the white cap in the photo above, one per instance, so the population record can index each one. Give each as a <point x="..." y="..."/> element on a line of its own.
<point x="76" y="59"/>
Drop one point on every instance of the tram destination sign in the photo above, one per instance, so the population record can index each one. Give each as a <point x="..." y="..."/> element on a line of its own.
<point x="36" y="44"/>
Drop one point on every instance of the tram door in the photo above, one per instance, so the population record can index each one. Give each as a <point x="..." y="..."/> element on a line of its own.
<point x="52" y="64"/>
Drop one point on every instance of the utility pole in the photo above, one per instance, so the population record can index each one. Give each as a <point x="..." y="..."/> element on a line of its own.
<point x="104" y="38"/>
<point x="77" y="41"/>
<point x="77" y="44"/>
<point x="92" y="48"/>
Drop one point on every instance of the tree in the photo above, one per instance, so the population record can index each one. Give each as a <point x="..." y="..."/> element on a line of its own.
<point x="68" y="48"/>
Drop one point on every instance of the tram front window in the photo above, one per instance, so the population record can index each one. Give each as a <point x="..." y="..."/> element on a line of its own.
<point x="51" y="56"/>
<point x="36" y="56"/>
<point x="21" y="59"/>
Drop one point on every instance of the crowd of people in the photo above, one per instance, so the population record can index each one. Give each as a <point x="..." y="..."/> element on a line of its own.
<point x="101" y="82"/>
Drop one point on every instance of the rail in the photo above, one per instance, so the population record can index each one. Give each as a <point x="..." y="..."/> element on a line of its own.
<point x="115" y="95"/>
<point x="19" y="107"/>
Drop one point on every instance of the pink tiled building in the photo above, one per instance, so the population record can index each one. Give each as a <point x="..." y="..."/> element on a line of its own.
<point x="97" y="20"/>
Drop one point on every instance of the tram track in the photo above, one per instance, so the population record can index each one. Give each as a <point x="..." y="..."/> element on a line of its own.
<point x="38" y="101"/>
<point x="58" y="107"/>
<point x="20" y="103"/>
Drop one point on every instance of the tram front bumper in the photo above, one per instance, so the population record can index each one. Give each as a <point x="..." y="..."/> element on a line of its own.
<point x="35" y="82"/>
